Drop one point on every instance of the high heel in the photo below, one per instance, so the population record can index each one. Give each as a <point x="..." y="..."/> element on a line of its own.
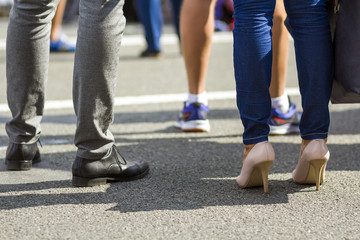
<point x="256" y="166"/>
<point x="312" y="163"/>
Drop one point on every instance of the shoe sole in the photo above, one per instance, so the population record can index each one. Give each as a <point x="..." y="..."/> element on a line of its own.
<point x="194" y="126"/>
<point x="19" y="165"/>
<point x="91" y="182"/>
<point x="23" y="165"/>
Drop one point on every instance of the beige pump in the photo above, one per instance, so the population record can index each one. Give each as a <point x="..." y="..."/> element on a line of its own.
<point x="312" y="163"/>
<point x="256" y="166"/>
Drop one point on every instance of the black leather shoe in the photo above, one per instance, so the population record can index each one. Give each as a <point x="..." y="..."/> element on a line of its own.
<point x="113" y="167"/>
<point x="22" y="156"/>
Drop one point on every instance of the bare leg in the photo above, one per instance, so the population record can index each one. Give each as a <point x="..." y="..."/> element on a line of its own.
<point x="57" y="21"/>
<point x="59" y="41"/>
<point x="280" y="40"/>
<point x="196" y="30"/>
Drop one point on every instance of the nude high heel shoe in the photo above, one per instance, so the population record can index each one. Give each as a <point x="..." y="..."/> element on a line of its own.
<point x="256" y="166"/>
<point x="312" y="163"/>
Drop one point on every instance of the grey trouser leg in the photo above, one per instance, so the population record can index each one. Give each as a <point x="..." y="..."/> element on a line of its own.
<point x="27" y="58"/>
<point x="101" y="26"/>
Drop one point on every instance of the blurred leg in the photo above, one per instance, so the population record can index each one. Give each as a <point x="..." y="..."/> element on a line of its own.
<point x="176" y="6"/>
<point x="280" y="41"/>
<point x="150" y="15"/>
<point x="57" y="21"/>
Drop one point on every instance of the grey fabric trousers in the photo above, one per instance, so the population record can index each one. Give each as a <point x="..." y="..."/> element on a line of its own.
<point x="101" y="26"/>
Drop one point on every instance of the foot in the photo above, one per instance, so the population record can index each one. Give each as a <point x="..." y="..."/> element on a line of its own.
<point x="284" y="123"/>
<point x="63" y="44"/>
<point x="193" y="118"/>
<point x="113" y="167"/>
<point x="22" y="156"/>
<point x="150" y="54"/>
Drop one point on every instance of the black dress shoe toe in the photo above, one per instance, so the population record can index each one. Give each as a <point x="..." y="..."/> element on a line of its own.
<point x="113" y="167"/>
<point x="22" y="156"/>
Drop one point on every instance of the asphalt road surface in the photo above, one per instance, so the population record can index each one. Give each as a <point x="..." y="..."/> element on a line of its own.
<point x="191" y="191"/>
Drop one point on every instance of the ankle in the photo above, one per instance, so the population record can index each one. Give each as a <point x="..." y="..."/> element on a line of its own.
<point x="281" y="103"/>
<point x="247" y="149"/>
<point x="304" y="143"/>
<point x="200" y="98"/>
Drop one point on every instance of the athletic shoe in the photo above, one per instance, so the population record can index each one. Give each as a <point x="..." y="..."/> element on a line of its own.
<point x="63" y="44"/>
<point x="150" y="54"/>
<point x="22" y="156"/>
<point x="193" y="118"/>
<point x="284" y="123"/>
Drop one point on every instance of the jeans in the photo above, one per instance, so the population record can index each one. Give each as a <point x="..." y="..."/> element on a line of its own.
<point x="253" y="60"/>
<point x="150" y="14"/>
<point x="101" y="26"/>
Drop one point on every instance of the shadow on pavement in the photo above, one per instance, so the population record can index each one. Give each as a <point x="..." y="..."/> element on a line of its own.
<point x="341" y="122"/>
<point x="138" y="117"/>
<point x="184" y="175"/>
<point x="187" y="171"/>
<point x="145" y="194"/>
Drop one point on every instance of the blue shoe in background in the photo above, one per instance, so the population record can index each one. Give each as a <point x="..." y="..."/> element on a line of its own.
<point x="193" y="118"/>
<point x="63" y="44"/>
<point x="284" y="123"/>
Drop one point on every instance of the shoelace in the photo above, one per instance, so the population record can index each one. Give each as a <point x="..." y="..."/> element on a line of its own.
<point x="117" y="157"/>
<point x="40" y="142"/>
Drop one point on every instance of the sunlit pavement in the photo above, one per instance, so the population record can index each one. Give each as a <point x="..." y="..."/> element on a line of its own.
<point x="191" y="191"/>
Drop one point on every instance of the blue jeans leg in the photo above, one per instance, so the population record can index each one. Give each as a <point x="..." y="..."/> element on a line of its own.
<point x="252" y="65"/>
<point x="150" y="15"/>
<point x="310" y="29"/>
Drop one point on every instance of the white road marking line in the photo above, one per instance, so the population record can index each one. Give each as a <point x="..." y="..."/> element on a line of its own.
<point x="149" y="99"/>
<point x="47" y="142"/>
<point x="166" y="39"/>
<point x="3" y="148"/>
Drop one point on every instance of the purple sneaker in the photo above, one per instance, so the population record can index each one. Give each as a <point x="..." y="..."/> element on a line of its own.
<point x="193" y="118"/>
<point x="63" y="44"/>
<point x="284" y="123"/>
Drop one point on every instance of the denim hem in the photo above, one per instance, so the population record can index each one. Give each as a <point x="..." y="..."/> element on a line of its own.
<point x="313" y="136"/>
<point x="255" y="140"/>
